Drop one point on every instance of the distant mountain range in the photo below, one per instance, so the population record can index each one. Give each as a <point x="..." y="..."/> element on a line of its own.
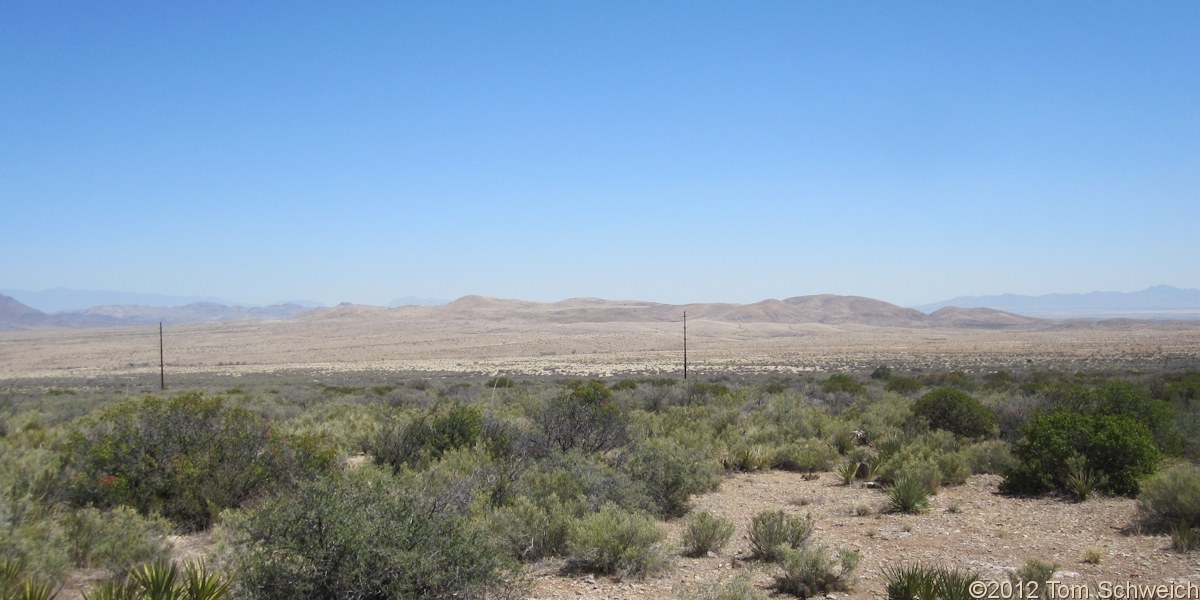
<point x="990" y="312"/>
<point x="1158" y="302"/>
<point x="15" y="315"/>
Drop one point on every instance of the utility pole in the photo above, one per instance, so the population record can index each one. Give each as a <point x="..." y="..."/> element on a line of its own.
<point x="162" y="365"/>
<point x="685" y="345"/>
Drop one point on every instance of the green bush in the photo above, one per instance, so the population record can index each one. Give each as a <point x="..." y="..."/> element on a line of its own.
<point x="903" y="385"/>
<point x="805" y="456"/>
<point x="583" y="481"/>
<point x="362" y="535"/>
<point x="186" y="458"/>
<point x="741" y="587"/>
<point x="771" y="530"/>
<point x="614" y="541"/>
<point x="116" y="539"/>
<point x="1033" y="576"/>
<point x="1124" y="399"/>
<point x="1116" y="447"/>
<point x="842" y="382"/>
<point x="584" y="418"/>
<point x="704" y="533"/>
<point x="427" y="438"/>
<point x="670" y="474"/>
<point x="908" y="496"/>
<point x="956" y="411"/>
<point x="1172" y="497"/>
<point x="988" y="456"/>
<point x="532" y="531"/>
<point x="923" y="582"/>
<point x="810" y="571"/>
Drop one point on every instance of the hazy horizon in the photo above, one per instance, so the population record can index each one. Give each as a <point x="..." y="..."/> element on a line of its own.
<point x="669" y="152"/>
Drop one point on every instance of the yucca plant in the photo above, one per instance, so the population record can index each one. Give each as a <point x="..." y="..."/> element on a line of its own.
<point x="201" y="584"/>
<point x="908" y="496"/>
<point x="847" y="470"/>
<point x="163" y="580"/>
<point x="923" y="582"/>
<point x="157" y="579"/>
<point x="15" y="586"/>
<point x="1082" y="480"/>
<point x="115" y="589"/>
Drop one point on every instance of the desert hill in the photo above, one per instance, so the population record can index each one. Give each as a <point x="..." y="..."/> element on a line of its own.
<point x="826" y="309"/>
<point x="15" y="315"/>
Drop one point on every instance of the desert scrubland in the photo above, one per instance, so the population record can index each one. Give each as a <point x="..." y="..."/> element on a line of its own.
<point x="360" y="452"/>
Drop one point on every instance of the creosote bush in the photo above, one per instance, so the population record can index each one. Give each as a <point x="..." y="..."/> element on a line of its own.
<point x="670" y="474"/>
<point x="363" y="534"/>
<point x="704" y="533"/>
<point x="772" y="529"/>
<point x="1172" y="497"/>
<point x="614" y="541"/>
<point x="584" y="418"/>
<point x="187" y="458"/>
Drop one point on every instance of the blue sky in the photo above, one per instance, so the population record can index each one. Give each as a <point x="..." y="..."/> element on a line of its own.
<point x="667" y="151"/>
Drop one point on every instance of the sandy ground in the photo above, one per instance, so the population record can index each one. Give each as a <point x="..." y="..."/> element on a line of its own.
<point x="379" y="340"/>
<point x="989" y="534"/>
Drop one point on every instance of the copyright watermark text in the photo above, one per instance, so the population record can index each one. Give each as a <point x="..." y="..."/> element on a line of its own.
<point x="1098" y="590"/>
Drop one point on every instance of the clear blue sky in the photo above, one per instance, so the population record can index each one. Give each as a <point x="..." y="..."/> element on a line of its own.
<point x="667" y="151"/>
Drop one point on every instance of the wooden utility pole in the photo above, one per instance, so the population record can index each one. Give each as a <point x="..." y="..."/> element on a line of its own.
<point x="685" y="345"/>
<point x="162" y="365"/>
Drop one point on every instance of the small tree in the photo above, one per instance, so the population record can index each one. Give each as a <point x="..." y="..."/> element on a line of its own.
<point x="956" y="411"/>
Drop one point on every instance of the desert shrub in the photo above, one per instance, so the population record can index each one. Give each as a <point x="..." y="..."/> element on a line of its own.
<point x="700" y="393"/>
<point x="428" y="437"/>
<point x="1121" y="398"/>
<point x="1093" y="556"/>
<point x="956" y="411"/>
<point x="772" y="529"/>
<point x="583" y="481"/>
<point x="1116" y="447"/>
<point x="842" y="382"/>
<point x="186" y="458"/>
<point x="1033" y="575"/>
<point x="883" y="372"/>
<point x="532" y="531"/>
<point x="615" y="541"/>
<point x="909" y="496"/>
<point x="954" y="379"/>
<point x="1185" y="538"/>
<point x="116" y="539"/>
<point x="585" y="418"/>
<point x="1171" y="497"/>
<point x="903" y="385"/>
<point x="810" y="571"/>
<point x="669" y="474"/>
<point x="924" y="582"/>
<point x="704" y="533"/>
<point x="806" y="455"/>
<point x="361" y="535"/>
<point x="931" y="458"/>
<point x="741" y="587"/>
<point x="988" y="456"/>
<point x="500" y="382"/>
<point x="747" y="457"/>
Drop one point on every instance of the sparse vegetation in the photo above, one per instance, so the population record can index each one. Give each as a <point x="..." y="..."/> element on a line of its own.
<point x="704" y="533"/>
<point x="926" y="582"/>
<point x="495" y="476"/>
<point x="772" y="530"/>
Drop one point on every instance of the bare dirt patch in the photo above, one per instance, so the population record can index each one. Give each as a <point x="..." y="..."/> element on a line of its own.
<point x="984" y="532"/>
